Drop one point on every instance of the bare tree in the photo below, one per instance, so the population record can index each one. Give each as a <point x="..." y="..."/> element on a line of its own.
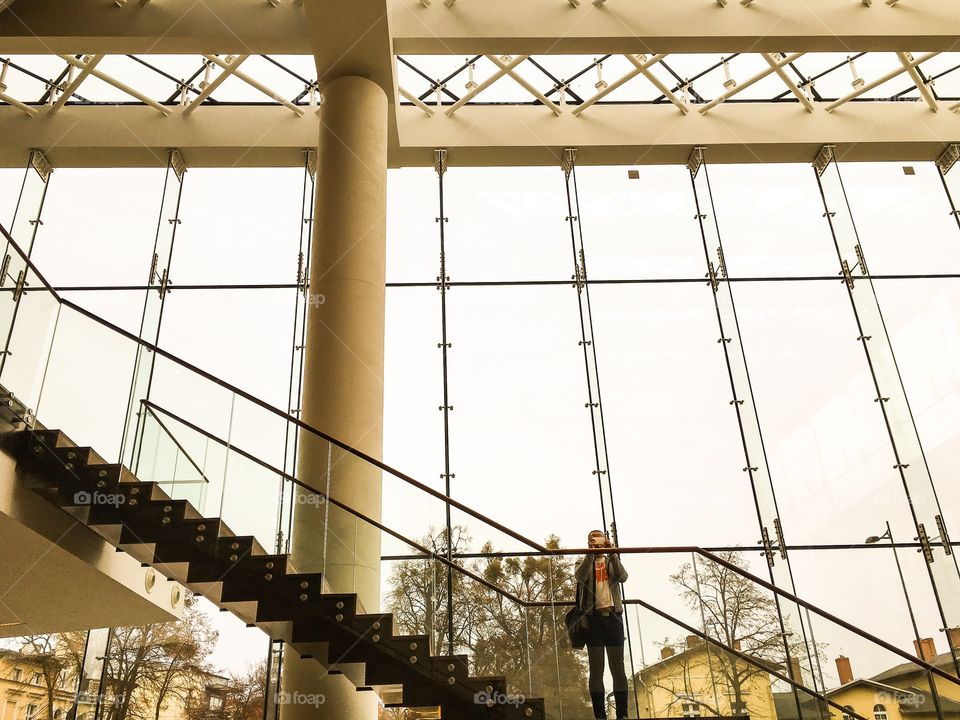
<point x="418" y="595"/>
<point x="58" y="658"/>
<point x="527" y="645"/>
<point x="736" y="613"/>
<point x="150" y="665"/>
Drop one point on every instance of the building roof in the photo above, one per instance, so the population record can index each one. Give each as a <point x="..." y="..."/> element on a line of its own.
<point x="786" y="706"/>
<point x="701" y="648"/>
<point x="943" y="661"/>
<point x="870" y="683"/>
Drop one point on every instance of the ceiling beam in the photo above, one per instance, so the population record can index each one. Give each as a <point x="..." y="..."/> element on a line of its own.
<point x="247" y="27"/>
<point x="670" y="26"/>
<point x="269" y="136"/>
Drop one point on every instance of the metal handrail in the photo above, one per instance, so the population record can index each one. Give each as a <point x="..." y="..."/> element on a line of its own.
<point x="432" y="555"/>
<point x="543" y="550"/>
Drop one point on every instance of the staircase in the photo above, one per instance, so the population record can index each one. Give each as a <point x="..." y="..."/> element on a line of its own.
<point x="237" y="574"/>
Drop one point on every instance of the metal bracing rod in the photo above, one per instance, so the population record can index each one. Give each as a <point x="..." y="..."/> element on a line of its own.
<point x="233" y="66"/>
<point x="17" y="104"/>
<point x="657" y="83"/>
<point x="503" y="70"/>
<point x="256" y="84"/>
<point x="788" y="81"/>
<point x="751" y="81"/>
<point x="416" y="101"/>
<point x="117" y="84"/>
<point x="74" y="84"/>
<point x="637" y="70"/>
<point x="525" y="85"/>
<point x="918" y="81"/>
<point x="880" y="81"/>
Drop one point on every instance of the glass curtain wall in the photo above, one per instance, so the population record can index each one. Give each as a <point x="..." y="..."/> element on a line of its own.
<point x="757" y="345"/>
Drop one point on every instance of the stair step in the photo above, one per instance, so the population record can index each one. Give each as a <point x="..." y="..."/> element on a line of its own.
<point x="48" y="438"/>
<point x="189" y="539"/>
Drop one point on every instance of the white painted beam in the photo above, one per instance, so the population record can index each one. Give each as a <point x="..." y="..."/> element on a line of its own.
<point x="263" y="136"/>
<point x="491" y="26"/>
<point x="552" y="26"/>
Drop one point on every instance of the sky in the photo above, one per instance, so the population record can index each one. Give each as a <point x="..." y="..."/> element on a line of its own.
<point x="521" y="444"/>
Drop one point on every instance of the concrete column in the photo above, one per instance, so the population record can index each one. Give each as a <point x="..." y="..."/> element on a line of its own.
<point x="343" y="359"/>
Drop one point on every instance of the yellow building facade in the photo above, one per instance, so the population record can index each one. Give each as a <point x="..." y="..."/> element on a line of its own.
<point x="23" y="690"/>
<point x="700" y="681"/>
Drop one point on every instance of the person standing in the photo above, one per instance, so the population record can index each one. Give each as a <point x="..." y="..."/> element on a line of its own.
<point x="599" y="577"/>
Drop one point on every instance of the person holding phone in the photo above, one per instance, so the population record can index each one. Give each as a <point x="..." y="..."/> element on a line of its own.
<point x="599" y="576"/>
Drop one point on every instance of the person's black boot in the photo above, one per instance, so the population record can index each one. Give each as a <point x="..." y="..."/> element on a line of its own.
<point x="599" y="701"/>
<point x="620" y="699"/>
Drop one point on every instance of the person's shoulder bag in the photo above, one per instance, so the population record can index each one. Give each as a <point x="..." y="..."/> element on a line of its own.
<point x="576" y="621"/>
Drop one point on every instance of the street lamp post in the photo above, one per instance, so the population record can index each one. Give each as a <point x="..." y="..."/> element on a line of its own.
<point x="888" y="535"/>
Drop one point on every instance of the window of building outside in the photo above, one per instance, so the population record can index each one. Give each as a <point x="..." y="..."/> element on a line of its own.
<point x="36" y="679"/>
<point x="17" y="672"/>
<point x="689" y="708"/>
<point x="31" y="712"/>
<point x="880" y="712"/>
<point x="216" y="702"/>
<point x="848" y="715"/>
<point x="738" y="707"/>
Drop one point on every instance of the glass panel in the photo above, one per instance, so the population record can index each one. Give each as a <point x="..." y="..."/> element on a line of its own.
<point x="23" y="229"/>
<point x="670" y="425"/>
<point x="903" y="218"/>
<point x="908" y="457"/>
<point x="34" y="325"/>
<point x="239" y="226"/>
<point x="506" y="224"/>
<point x="99" y="226"/>
<point x="413" y="242"/>
<point x="638" y="228"/>
<point x="756" y="464"/>
<point x="924" y="327"/>
<point x="517" y="382"/>
<point x="89" y="366"/>
<point x="770" y="221"/>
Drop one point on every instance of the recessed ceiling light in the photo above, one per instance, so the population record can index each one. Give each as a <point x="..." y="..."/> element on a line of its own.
<point x="633" y="174"/>
<point x="908" y="170"/>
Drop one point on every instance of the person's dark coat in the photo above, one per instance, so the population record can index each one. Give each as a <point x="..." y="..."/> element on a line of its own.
<point x="585" y="575"/>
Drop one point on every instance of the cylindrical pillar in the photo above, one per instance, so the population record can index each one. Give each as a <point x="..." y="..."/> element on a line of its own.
<point x="343" y="358"/>
<point x="343" y="369"/>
